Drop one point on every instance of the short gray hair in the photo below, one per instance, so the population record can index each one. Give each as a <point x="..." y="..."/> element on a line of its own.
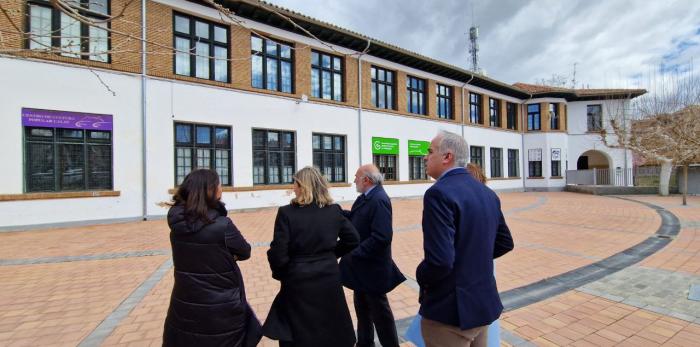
<point x="455" y="144"/>
<point x="374" y="175"/>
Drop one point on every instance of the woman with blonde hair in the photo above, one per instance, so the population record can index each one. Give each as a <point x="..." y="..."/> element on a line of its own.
<point x="477" y="172"/>
<point x="310" y="234"/>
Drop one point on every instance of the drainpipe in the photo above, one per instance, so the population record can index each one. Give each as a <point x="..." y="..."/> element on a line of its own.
<point x="624" y="124"/>
<point x="359" y="101"/>
<point x="523" y="121"/>
<point x="462" y="98"/>
<point x="144" y="155"/>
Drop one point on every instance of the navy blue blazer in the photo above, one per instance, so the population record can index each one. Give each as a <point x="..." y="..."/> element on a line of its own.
<point x="463" y="231"/>
<point x="369" y="267"/>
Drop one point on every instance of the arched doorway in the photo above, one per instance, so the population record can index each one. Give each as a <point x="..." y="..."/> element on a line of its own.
<point x="592" y="159"/>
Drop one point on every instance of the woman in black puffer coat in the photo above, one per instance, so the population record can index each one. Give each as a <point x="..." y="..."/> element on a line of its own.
<point x="208" y="306"/>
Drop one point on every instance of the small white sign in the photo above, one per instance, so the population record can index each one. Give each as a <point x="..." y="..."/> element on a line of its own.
<point x="556" y="154"/>
<point x="534" y="154"/>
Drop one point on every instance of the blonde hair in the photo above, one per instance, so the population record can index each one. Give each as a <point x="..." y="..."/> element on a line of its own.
<point x="477" y="172"/>
<point x="313" y="188"/>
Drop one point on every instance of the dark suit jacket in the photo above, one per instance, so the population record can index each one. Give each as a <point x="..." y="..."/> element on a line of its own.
<point x="369" y="267"/>
<point x="463" y="231"/>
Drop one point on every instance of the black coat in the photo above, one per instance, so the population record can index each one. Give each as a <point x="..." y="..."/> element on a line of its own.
<point x="208" y="305"/>
<point x="310" y="308"/>
<point x="369" y="267"/>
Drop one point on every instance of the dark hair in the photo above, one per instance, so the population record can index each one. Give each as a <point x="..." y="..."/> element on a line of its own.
<point x="197" y="194"/>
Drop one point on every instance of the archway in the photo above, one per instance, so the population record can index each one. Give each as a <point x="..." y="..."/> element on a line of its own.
<point x="592" y="159"/>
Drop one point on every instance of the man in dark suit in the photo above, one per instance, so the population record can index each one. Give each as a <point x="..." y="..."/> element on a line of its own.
<point x="463" y="231"/>
<point x="369" y="270"/>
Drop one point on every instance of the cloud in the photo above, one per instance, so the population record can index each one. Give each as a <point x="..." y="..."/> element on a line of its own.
<point x="614" y="43"/>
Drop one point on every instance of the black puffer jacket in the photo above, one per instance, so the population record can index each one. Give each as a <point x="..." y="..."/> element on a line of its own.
<point x="207" y="305"/>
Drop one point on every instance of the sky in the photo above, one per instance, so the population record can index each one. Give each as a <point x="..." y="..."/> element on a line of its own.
<point x="614" y="43"/>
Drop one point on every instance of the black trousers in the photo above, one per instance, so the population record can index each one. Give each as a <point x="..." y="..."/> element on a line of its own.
<point x="373" y="312"/>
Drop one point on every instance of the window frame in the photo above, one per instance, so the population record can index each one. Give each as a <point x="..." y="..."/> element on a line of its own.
<point x="332" y="71"/>
<point x="554" y="116"/>
<point x="212" y="147"/>
<point x="56" y="27"/>
<point x="211" y="41"/>
<point x="374" y="85"/>
<point x="279" y="150"/>
<point x="420" y="91"/>
<point x="56" y="140"/>
<point x="590" y="126"/>
<point x="496" y="162"/>
<point x="532" y="116"/>
<point x="376" y="159"/>
<point x="494" y="112"/>
<point x="445" y="101"/>
<point x="475" y="105"/>
<point x="334" y="152"/>
<point x="421" y="168"/>
<point x="511" y="116"/>
<point x="477" y="159"/>
<point x="265" y="56"/>
<point x="513" y="162"/>
<point x="535" y="166"/>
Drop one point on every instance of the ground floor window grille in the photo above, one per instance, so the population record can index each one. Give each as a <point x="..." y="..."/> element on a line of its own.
<point x="387" y="165"/>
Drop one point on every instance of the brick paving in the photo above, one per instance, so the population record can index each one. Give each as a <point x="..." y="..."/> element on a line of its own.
<point x="61" y="303"/>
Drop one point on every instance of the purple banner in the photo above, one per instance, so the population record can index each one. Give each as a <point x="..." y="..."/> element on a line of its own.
<point x="69" y="120"/>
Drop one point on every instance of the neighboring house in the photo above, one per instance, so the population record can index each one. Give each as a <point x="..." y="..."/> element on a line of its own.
<point x="72" y="151"/>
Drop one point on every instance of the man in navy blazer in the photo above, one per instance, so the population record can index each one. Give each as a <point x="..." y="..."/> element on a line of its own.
<point x="463" y="231"/>
<point x="369" y="270"/>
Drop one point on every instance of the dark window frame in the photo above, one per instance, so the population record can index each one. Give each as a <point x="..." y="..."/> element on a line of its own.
<point x="265" y="57"/>
<point x="84" y="28"/>
<point x="511" y="116"/>
<point x="556" y="168"/>
<point x="417" y="173"/>
<point x="591" y="124"/>
<point x="388" y="176"/>
<point x="420" y="90"/>
<point x="494" y="112"/>
<point x="496" y="162"/>
<point x="476" y="155"/>
<point x="475" y="105"/>
<point x="445" y="101"/>
<point x="513" y="163"/>
<point x="375" y="82"/>
<point x="534" y="118"/>
<point x="193" y="145"/>
<point x="280" y="149"/>
<point x="553" y="116"/>
<point x="535" y="166"/>
<point x="334" y="152"/>
<point x="211" y="41"/>
<point x="333" y="71"/>
<point x="55" y="141"/>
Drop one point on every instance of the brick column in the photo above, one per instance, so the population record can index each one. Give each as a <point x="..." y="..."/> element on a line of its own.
<point x="544" y="116"/>
<point x="350" y="81"/>
<point x="431" y="99"/>
<point x="457" y="107"/>
<point x="302" y="69"/>
<point x="503" y="115"/>
<point x="484" y="110"/>
<point x="400" y="91"/>
<point x="240" y="53"/>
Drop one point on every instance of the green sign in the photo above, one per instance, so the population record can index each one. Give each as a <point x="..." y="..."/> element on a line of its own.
<point x="385" y="145"/>
<point x="418" y="147"/>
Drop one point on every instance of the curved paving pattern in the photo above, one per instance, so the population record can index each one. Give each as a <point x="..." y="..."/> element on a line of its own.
<point x="555" y="233"/>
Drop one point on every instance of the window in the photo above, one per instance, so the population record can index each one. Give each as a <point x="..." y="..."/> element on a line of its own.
<point x="272" y="65"/>
<point x="329" y="156"/>
<point x="595" y="117"/>
<point x="475" y="108"/>
<point x="326" y="76"/>
<point x="202" y="146"/>
<point x="201" y="48"/>
<point x="477" y="155"/>
<point x="53" y="30"/>
<point x="513" y="163"/>
<point x="59" y="159"/>
<point x="494" y="112"/>
<point x="274" y="156"/>
<point x="533" y="117"/>
<point x="553" y="117"/>
<point x="382" y="88"/>
<point x="535" y="162"/>
<point x="415" y="95"/>
<point x="511" y="116"/>
<point x="416" y="167"/>
<point x="444" y="101"/>
<point x="496" y="162"/>
<point x="387" y="165"/>
<point x="556" y="162"/>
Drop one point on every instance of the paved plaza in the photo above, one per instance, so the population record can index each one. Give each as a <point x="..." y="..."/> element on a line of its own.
<point x="586" y="271"/>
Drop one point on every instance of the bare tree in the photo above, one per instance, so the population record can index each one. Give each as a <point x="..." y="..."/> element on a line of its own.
<point x="662" y="126"/>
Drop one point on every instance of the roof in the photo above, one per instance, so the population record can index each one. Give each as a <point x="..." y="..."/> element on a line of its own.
<point x="571" y="94"/>
<point x="270" y="14"/>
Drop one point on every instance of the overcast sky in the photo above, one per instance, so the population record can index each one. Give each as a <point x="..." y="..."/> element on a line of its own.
<point x="616" y="43"/>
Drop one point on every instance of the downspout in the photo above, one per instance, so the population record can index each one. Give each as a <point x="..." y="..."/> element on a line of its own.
<point x="144" y="183"/>
<point x="523" y="120"/>
<point x="624" y="123"/>
<point x="359" y="101"/>
<point x="462" y="98"/>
